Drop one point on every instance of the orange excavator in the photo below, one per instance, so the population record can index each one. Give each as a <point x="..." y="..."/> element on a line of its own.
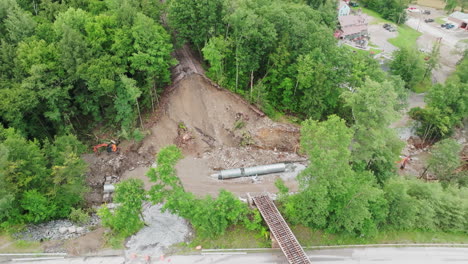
<point x="111" y="147"/>
<point x="404" y="161"/>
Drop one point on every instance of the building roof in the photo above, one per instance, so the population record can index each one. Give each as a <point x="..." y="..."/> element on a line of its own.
<point x="460" y="15"/>
<point x="350" y="30"/>
<point x="352" y="20"/>
<point x="341" y="4"/>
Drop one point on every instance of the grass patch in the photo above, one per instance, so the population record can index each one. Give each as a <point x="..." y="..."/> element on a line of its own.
<point x="377" y="17"/>
<point x="308" y="237"/>
<point x="422" y="86"/>
<point x="406" y="37"/>
<point x="9" y="245"/>
<point x="464" y="41"/>
<point x="439" y="20"/>
<point x="234" y="237"/>
<point x="372" y="51"/>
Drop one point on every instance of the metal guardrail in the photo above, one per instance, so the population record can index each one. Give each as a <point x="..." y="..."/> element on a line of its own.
<point x="279" y="228"/>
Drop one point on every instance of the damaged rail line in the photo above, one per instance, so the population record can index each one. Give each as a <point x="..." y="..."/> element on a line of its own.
<point x="279" y="228"/>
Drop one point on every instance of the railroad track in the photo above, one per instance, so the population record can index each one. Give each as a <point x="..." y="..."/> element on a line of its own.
<point x="284" y="236"/>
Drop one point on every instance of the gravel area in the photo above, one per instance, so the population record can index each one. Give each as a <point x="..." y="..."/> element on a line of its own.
<point x="154" y="240"/>
<point x="56" y="230"/>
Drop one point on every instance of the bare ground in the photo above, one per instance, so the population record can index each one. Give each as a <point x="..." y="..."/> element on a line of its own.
<point x="215" y="128"/>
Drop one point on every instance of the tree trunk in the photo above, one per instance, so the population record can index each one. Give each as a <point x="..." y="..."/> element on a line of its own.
<point x="251" y="84"/>
<point x="237" y="67"/>
<point x="139" y="114"/>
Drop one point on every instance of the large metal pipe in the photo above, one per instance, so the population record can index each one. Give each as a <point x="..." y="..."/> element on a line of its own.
<point x="251" y="171"/>
<point x="109" y="188"/>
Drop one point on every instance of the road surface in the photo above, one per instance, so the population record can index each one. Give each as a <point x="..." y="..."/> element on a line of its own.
<point x="383" y="255"/>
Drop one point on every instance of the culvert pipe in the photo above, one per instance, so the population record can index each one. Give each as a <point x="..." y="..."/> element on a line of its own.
<point x="251" y="171"/>
<point x="109" y="188"/>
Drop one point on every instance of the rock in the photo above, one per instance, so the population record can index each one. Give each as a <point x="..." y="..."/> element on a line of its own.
<point x="79" y="230"/>
<point x="72" y="229"/>
<point x="63" y="230"/>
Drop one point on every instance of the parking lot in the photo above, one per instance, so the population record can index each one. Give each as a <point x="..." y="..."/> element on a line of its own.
<point x="452" y="40"/>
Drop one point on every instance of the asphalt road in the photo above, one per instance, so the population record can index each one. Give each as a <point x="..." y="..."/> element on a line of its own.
<point x="383" y="255"/>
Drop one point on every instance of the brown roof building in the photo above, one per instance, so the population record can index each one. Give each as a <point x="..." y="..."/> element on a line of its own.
<point x="354" y="27"/>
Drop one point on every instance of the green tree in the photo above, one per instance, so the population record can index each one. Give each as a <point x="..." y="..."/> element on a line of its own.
<point x="215" y="52"/>
<point x="444" y="160"/>
<point x="408" y="65"/>
<point x="317" y="81"/>
<point x="332" y="195"/>
<point x="402" y="208"/>
<point x="18" y="23"/>
<point x="197" y="21"/>
<point x="127" y="218"/>
<point x="151" y="59"/>
<point x="374" y="107"/>
<point x="39" y="183"/>
<point x="432" y="62"/>
<point x="164" y="175"/>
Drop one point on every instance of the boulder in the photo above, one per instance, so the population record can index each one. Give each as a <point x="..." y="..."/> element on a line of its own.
<point x="72" y="229"/>
<point x="63" y="230"/>
<point x="79" y="230"/>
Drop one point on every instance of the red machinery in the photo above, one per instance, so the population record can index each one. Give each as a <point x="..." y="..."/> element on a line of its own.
<point x="111" y="147"/>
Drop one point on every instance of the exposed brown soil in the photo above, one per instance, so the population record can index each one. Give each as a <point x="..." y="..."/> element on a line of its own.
<point x="215" y="128"/>
<point x="89" y="243"/>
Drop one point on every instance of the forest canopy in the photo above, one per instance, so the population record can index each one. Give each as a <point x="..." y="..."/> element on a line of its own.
<point x="66" y="66"/>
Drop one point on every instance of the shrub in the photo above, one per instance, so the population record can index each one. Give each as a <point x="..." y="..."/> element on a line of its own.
<point x="79" y="216"/>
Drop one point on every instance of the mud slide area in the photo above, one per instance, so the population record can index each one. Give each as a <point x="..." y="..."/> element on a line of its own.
<point x="215" y="129"/>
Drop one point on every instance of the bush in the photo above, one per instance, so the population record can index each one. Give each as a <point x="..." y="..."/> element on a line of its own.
<point x="426" y="206"/>
<point x="126" y="219"/>
<point x="211" y="217"/>
<point x="79" y="216"/>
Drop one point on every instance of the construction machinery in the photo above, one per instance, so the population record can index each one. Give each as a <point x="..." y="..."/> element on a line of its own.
<point x="110" y="147"/>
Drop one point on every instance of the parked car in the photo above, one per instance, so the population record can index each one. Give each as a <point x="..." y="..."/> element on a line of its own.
<point x="447" y="25"/>
<point x="429" y="20"/>
<point x="427" y="12"/>
<point x="389" y="27"/>
<point x="353" y="4"/>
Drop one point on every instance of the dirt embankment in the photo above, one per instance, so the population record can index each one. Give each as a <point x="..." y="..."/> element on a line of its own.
<point x="200" y="118"/>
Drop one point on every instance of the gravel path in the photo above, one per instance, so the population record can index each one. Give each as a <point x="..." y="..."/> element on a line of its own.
<point x="163" y="230"/>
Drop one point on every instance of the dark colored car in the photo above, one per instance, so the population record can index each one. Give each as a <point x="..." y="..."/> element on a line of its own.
<point x="427" y="12"/>
<point x="353" y="4"/>
<point x="429" y="20"/>
<point x="449" y="26"/>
